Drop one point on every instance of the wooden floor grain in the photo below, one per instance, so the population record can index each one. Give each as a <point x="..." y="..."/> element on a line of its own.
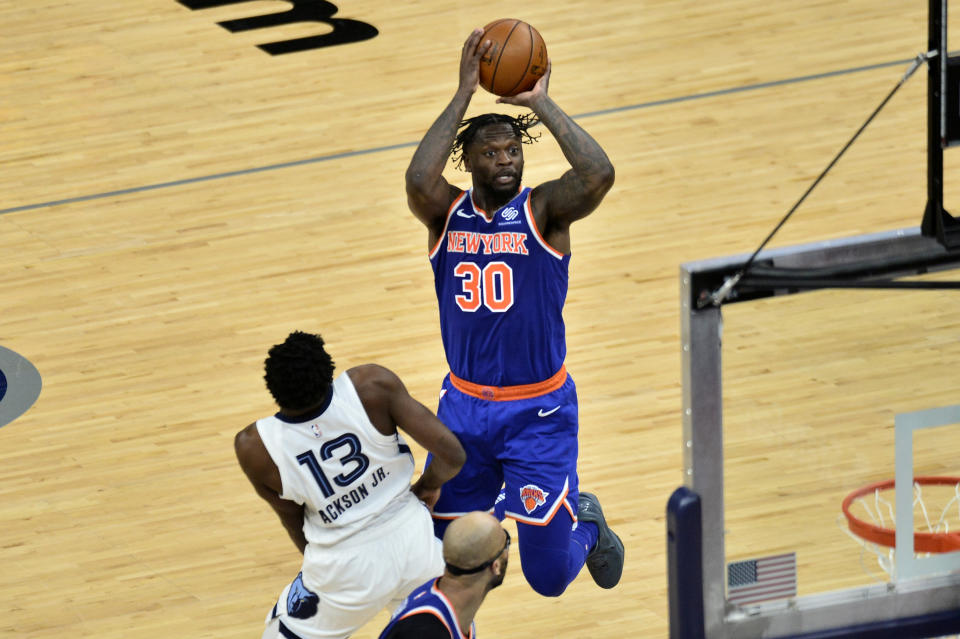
<point x="173" y="201"/>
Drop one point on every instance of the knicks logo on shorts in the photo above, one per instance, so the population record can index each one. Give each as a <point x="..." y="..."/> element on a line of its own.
<point x="532" y="497"/>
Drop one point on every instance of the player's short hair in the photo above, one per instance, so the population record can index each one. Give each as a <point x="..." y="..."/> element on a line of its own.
<point x="299" y="372"/>
<point x="469" y="128"/>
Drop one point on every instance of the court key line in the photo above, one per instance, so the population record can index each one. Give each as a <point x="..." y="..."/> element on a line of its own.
<point x="393" y="147"/>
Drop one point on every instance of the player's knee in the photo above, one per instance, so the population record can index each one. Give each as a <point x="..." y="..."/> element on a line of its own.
<point x="546" y="579"/>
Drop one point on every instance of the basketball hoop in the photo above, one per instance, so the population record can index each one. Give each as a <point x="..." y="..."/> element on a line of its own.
<point x="879" y="533"/>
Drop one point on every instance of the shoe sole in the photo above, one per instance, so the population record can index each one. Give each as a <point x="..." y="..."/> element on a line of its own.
<point x="606" y="537"/>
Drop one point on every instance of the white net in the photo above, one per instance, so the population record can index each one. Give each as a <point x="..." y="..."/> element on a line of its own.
<point x="936" y="511"/>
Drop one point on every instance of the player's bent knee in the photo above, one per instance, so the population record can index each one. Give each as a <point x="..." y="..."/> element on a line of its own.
<point x="546" y="579"/>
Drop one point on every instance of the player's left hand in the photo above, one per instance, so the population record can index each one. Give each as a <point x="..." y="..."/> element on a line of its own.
<point x="527" y="98"/>
<point x="428" y="496"/>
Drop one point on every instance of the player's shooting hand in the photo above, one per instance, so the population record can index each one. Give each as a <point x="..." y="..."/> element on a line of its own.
<point x="529" y="98"/>
<point x="473" y="50"/>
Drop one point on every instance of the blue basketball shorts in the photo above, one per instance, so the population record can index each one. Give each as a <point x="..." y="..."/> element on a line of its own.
<point x="527" y="445"/>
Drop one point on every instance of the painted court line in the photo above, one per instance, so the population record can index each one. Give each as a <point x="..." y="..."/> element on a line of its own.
<point x="393" y="147"/>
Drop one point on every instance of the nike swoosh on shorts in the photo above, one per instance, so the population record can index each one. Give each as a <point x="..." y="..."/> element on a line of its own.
<point x="541" y="412"/>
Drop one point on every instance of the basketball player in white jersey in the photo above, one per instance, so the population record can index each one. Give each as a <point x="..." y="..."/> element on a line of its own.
<point x="334" y="468"/>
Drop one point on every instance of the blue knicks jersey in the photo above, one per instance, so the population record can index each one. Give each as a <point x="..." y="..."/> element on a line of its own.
<point x="427" y="599"/>
<point x="500" y="289"/>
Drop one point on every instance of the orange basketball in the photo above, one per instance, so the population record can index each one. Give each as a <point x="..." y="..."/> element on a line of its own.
<point x="516" y="59"/>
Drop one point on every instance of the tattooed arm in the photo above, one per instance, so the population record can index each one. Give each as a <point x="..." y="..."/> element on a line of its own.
<point x="429" y="195"/>
<point x="578" y="192"/>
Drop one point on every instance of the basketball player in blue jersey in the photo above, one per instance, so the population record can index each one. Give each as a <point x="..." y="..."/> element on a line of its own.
<point x="335" y="469"/>
<point x="476" y="551"/>
<point x="500" y="254"/>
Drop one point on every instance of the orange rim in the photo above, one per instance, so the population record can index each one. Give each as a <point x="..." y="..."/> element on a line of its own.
<point x="922" y="541"/>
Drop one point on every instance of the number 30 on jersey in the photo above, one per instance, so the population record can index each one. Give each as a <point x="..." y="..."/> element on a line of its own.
<point x="491" y="286"/>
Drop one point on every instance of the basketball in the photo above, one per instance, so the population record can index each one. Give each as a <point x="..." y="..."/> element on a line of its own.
<point x="516" y="59"/>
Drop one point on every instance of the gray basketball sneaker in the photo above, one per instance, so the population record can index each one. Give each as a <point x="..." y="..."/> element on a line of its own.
<point x="605" y="561"/>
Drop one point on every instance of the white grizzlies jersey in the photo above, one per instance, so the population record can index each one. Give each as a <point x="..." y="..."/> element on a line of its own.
<point x="346" y="473"/>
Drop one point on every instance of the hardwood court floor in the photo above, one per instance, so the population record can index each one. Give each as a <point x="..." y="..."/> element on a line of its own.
<point x="173" y="201"/>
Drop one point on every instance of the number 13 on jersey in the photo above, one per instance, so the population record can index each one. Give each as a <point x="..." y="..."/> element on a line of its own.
<point x="491" y="286"/>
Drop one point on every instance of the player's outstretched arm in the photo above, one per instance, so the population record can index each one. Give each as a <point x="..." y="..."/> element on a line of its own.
<point x="429" y="195"/>
<point x="265" y="477"/>
<point x="578" y="191"/>
<point x="389" y="406"/>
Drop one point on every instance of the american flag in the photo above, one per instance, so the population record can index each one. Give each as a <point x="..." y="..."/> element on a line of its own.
<point x="760" y="579"/>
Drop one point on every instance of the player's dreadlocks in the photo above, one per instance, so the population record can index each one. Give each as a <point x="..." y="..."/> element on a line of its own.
<point x="521" y="125"/>
<point x="298" y="372"/>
